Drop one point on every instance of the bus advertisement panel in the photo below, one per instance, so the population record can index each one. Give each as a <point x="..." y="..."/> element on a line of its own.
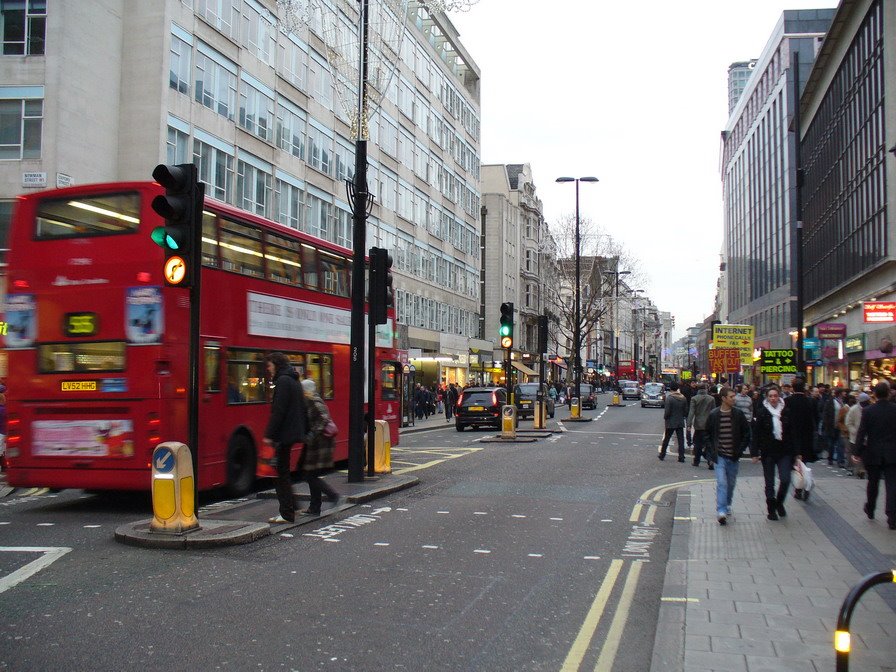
<point x="98" y="345"/>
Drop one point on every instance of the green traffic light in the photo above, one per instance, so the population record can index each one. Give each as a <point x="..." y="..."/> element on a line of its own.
<point x="162" y="238"/>
<point x="504" y="330"/>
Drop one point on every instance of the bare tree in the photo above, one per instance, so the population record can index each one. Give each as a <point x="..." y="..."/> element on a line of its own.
<point x="599" y="253"/>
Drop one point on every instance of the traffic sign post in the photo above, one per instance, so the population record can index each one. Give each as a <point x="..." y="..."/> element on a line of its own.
<point x="173" y="490"/>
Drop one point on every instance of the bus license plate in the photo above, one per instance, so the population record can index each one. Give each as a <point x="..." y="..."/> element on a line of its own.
<point x="79" y="386"/>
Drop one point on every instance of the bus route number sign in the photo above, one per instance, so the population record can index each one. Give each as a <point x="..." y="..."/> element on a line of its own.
<point x="80" y="324"/>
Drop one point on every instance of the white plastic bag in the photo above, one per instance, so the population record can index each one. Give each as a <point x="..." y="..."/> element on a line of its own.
<point x="802" y="480"/>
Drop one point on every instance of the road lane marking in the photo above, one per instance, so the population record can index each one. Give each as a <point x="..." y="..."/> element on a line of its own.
<point x="480" y="513"/>
<point x="381" y="543"/>
<point x="591" y="557"/>
<point x="645" y="496"/>
<point x="629" y="434"/>
<point x="617" y="626"/>
<point x="443" y="512"/>
<point x="517" y="515"/>
<point x="91" y="527"/>
<point x="46" y="524"/>
<point x="592" y="619"/>
<point x="536" y="555"/>
<point x="481" y="550"/>
<point x="429" y="546"/>
<point x="49" y="555"/>
<point x="556" y="519"/>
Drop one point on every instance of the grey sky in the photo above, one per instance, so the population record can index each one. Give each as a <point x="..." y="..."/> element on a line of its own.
<point x="634" y="93"/>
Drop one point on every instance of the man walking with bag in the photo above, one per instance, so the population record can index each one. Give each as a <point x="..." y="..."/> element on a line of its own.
<point x="876" y="448"/>
<point x="729" y="436"/>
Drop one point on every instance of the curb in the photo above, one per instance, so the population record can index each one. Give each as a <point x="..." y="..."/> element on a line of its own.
<point x="668" y="645"/>
<point x="211" y="534"/>
<point x="214" y="533"/>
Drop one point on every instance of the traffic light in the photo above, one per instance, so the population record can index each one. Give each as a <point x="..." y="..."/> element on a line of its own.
<point x="181" y="207"/>
<point x="505" y="331"/>
<point x="381" y="293"/>
<point x="542" y="334"/>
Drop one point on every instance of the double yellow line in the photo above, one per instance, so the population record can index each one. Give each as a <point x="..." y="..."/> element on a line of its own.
<point x="610" y="648"/>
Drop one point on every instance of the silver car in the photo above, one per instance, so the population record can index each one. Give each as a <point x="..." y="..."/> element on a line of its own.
<point x="653" y="394"/>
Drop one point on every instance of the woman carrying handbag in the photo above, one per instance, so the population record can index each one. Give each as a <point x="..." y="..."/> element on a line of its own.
<point x="317" y="457"/>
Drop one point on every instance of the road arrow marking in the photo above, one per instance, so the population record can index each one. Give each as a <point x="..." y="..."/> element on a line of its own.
<point x="49" y="555"/>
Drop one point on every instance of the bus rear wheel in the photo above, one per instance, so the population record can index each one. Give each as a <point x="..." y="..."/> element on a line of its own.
<point x="240" y="466"/>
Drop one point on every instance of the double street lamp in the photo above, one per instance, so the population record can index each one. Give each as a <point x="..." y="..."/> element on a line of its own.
<point x="576" y="336"/>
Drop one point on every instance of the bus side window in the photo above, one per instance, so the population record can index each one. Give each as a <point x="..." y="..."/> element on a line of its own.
<point x="209" y="240"/>
<point x="309" y="267"/>
<point x="388" y="378"/>
<point x="212" y="358"/>
<point x="241" y="249"/>
<point x="246" y="379"/>
<point x="336" y="274"/>
<point x="320" y="370"/>
<point x="283" y="260"/>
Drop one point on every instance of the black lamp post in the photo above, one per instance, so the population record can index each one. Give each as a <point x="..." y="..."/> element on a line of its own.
<point x="576" y="337"/>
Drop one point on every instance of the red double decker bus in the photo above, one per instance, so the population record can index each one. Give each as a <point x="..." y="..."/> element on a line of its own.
<point x="98" y="345"/>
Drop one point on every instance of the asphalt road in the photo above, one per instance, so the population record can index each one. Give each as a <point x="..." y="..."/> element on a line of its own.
<point x="529" y="556"/>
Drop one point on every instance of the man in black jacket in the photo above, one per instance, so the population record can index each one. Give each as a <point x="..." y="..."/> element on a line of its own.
<point x="800" y="423"/>
<point x="876" y="448"/>
<point x="728" y="433"/>
<point x="286" y="427"/>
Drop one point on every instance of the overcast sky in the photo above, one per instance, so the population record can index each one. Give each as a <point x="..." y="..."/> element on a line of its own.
<point x="635" y="94"/>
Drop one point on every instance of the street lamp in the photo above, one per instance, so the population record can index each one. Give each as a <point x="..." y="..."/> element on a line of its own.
<point x="576" y="336"/>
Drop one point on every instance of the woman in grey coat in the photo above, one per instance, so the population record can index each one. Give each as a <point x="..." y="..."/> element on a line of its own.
<point x="317" y="458"/>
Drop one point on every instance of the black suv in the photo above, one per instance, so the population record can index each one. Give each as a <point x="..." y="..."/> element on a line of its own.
<point x="525" y="395"/>
<point x="480" y="407"/>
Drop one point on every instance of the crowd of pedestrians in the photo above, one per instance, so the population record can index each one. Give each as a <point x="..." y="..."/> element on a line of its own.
<point x="785" y="427"/>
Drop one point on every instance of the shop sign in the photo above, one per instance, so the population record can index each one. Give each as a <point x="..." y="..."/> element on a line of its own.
<point x="810" y="343"/>
<point x="879" y="311"/>
<point x="830" y="330"/>
<point x="778" y="361"/>
<point x="724" y="360"/>
<point x="855" y="343"/>
<point x="738" y="336"/>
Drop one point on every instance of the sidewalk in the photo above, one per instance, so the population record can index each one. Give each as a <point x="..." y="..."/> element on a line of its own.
<point x="245" y="521"/>
<point x="759" y="595"/>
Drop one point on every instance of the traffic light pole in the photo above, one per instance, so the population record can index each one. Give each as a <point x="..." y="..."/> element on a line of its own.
<point x="195" y="262"/>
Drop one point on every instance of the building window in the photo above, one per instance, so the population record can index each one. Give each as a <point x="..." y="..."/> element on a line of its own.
<point x="259" y="29"/>
<point x="224" y="15"/>
<point x="216" y="84"/>
<point x="253" y="187"/>
<point x="290" y="132"/>
<point x="294" y="64"/>
<point x="215" y="169"/>
<point x="345" y="161"/>
<point x="23" y="24"/>
<point x="177" y="146"/>
<point x="256" y="112"/>
<point x="319" y="218"/>
<point x="290" y="206"/>
<point x="320" y="149"/>
<point x="179" y="69"/>
<point x="21" y="124"/>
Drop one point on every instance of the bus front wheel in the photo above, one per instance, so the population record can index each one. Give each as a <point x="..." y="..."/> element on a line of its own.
<point x="240" y="466"/>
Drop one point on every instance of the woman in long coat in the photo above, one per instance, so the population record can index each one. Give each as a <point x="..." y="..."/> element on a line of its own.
<point x="317" y="458"/>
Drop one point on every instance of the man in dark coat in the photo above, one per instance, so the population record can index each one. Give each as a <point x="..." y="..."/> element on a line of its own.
<point x="876" y="448"/>
<point x="451" y="397"/>
<point x="800" y="422"/>
<point x="286" y="427"/>
<point x="674" y="414"/>
<point x="729" y="437"/>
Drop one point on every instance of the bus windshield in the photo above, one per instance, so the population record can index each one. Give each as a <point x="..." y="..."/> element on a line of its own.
<point x="81" y="217"/>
